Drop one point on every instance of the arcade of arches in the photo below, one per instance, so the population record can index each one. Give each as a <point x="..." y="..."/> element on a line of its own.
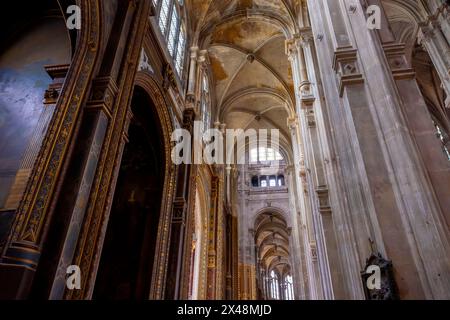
<point x="359" y="176"/>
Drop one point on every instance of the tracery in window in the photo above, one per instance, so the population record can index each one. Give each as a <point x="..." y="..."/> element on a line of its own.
<point x="179" y="59"/>
<point x="274" y="286"/>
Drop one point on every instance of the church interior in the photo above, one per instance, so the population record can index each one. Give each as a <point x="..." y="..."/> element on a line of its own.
<point x="351" y="202"/>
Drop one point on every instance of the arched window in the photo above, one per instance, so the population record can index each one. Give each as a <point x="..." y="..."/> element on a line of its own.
<point x="289" y="288"/>
<point x="173" y="30"/>
<point x="274" y="286"/>
<point x="263" y="183"/>
<point x="258" y="155"/>
<point x="206" y="110"/>
<point x="255" y="182"/>
<point x="281" y="181"/>
<point x="272" y="181"/>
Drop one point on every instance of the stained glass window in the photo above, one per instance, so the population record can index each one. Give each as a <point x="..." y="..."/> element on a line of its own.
<point x="289" y="288"/>
<point x="274" y="286"/>
<point x="164" y="15"/>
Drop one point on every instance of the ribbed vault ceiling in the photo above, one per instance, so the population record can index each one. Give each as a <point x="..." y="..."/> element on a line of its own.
<point x="272" y="239"/>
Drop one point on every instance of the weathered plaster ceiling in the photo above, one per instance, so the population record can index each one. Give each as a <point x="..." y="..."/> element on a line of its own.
<point x="245" y="40"/>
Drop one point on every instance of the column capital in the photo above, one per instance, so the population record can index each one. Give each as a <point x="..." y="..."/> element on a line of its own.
<point x="293" y="123"/>
<point x="203" y="54"/>
<point x="193" y="51"/>
<point x="305" y="37"/>
<point x="291" y="48"/>
<point x="426" y="32"/>
<point x="299" y="41"/>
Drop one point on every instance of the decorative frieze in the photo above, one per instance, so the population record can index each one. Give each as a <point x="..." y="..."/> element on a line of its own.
<point x="295" y="52"/>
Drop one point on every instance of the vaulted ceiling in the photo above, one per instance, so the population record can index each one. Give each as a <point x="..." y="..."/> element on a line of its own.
<point x="252" y="76"/>
<point x="245" y="39"/>
<point x="272" y="240"/>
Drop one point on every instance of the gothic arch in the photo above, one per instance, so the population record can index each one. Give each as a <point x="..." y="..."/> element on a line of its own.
<point x="277" y="212"/>
<point x="283" y="146"/>
<point x="150" y="85"/>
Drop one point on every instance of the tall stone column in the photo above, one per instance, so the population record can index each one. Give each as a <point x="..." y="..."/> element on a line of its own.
<point x="179" y="220"/>
<point x="433" y="163"/>
<point x="302" y="57"/>
<point x="388" y="197"/>
<point x="313" y="132"/>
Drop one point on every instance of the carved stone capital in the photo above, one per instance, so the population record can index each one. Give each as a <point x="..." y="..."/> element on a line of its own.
<point x="193" y="52"/>
<point x="305" y="37"/>
<point x="292" y="123"/>
<point x="203" y="59"/>
<point x="291" y="48"/>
